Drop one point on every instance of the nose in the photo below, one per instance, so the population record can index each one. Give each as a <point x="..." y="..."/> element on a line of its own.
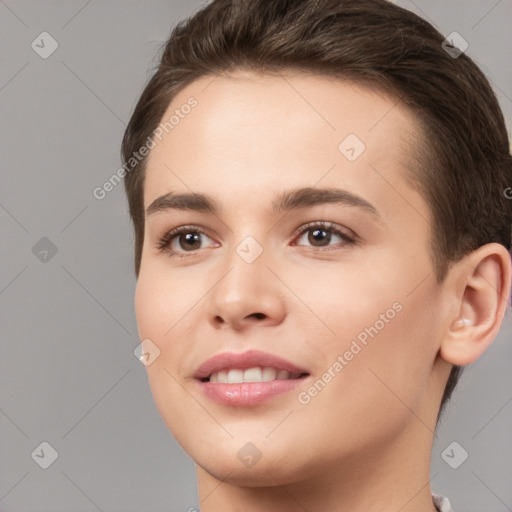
<point x="247" y="294"/>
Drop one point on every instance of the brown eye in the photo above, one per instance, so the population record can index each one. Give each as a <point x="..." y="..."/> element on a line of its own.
<point x="319" y="237"/>
<point x="182" y="240"/>
<point x="320" y="234"/>
<point x="190" y="240"/>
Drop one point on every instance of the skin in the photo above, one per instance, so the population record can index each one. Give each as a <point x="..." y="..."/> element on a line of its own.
<point x="252" y="137"/>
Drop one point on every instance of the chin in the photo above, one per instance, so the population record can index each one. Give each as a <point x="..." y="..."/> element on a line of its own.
<point x="239" y="463"/>
<point x="267" y="473"/>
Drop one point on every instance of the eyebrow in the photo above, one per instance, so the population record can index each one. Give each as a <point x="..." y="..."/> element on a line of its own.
<point x="284" y="202"/>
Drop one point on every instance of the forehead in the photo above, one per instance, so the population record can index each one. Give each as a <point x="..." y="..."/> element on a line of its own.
<point x="265" y="131"/>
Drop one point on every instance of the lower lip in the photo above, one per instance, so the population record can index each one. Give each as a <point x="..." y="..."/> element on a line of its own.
<point x="247" y="394"/>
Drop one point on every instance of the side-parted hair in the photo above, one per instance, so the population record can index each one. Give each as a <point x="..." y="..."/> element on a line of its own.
<point x="463" y="163"/>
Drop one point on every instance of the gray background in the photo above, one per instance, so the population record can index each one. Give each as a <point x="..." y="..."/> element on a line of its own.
<point x="68" y="375"/>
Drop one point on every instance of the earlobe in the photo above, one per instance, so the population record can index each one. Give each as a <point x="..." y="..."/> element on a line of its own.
<point x="485" y="276"/>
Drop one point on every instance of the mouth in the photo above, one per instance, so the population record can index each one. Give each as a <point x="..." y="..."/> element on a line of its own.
<point x="247" y="379"/>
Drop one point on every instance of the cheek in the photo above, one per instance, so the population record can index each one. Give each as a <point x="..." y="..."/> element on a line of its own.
<point x="151" y="311"/>
<point x="347" y="304"/>
<point x="384" y="335"/>
<point x="159" y="306"/>
<point x="164" y="301"/>
<point x="161" y="314"/>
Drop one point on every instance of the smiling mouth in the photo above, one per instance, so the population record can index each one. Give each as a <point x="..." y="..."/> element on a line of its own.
<point x="255" y="374"/>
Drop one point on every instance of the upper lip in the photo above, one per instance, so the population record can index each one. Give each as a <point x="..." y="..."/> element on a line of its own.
<point x="243" y="361"/>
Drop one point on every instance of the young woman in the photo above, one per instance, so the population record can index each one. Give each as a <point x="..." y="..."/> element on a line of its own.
<point x="321" y="244"/>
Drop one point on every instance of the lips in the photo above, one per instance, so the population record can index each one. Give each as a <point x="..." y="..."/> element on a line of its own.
<point x="247" y="379"/>
<point x="251" y="359"/>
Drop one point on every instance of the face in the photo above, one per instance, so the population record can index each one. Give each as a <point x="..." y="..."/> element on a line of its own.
<point x="336" y="291"/>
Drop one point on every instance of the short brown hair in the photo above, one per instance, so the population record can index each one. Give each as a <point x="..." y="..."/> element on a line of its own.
<point x="464" y="158"/>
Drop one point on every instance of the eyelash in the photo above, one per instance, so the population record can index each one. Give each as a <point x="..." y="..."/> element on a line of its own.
<point x="166" y="240"/>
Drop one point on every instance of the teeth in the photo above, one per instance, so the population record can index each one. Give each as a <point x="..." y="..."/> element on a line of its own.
<point x="256" y="374"/>
<point x="235" y="376"/>
<point x="252" y="375"/>
<point x="268" y="374"/>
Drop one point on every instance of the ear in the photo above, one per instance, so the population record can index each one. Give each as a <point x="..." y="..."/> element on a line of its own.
<point x="482" y="285"/>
